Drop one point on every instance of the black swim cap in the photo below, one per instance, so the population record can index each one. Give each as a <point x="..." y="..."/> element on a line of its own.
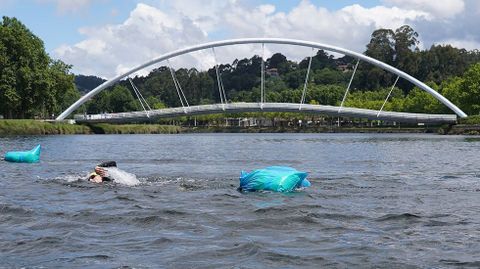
<point x="108" y="164"/>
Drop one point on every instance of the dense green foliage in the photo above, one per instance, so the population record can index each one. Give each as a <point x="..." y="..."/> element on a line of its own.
<point x="86" y="83"/>
<point x="463" y="91"/>
<point x="31" y="83"/>
<point x="471" y="120"/>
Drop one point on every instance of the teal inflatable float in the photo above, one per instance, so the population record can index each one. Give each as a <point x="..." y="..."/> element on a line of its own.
<point x="31" y="156"/>
<point x="273" y="178"/>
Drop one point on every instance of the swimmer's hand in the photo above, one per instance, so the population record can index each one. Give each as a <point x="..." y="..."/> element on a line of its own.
<point x="100" y="171"/>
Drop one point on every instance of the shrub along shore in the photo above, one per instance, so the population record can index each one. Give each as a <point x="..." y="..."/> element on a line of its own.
<point x="36" y="127"/>
<point x="468" y="126"/>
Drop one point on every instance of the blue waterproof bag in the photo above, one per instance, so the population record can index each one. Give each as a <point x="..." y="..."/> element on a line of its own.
<point x="273" y="178"/>
<point x="31" y="156"/>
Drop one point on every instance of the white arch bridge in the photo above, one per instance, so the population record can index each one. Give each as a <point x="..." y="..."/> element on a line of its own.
<point x="225" y="107"/>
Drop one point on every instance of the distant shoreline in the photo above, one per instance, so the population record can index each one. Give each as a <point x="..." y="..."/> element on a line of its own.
<point x="36" y="127"/>
<point x="39" y="127"/>
<point x="310" y="130"/>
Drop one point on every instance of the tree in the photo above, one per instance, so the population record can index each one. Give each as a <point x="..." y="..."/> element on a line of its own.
<point x="406" y="54"/>
<point x="328" y="76"/>
<point x="160" y="85"/>
<point x="62" y="92"/>
<point x="420" y="101"/>
<point x="70" y="96"/>
<point x="275" y="84"/>
<point x="87" y="83"/>
<point x="406" y="42"/>
<point x="22" y="68"/>
<point x="451" y="89"/>
<point x="382" y="46"/>
<point x="325" y="94"/>
<point x="294" y="79"/>
<point x="31" y="84"/>
<point x="469" y="90"/>
<point x="100" y="103"/>
<point x="276" y="60"/>
<point x="320" y="61"/>
<point x="443" y="61"/>
<point x="121" y="100"/>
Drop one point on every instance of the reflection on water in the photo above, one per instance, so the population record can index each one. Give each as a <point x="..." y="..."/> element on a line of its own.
<point x="377" y="200"/>
<point x="472" y="139"/>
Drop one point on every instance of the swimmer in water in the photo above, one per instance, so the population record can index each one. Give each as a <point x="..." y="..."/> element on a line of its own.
<point x="100" y="175"/>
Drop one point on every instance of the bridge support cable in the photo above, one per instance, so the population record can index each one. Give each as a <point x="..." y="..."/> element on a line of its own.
<point x="140" y="97"/>
<point x="386" y="99"/>
<point x="178" y="88"/>
<point x="349" y="84"/>
<point x="221" y="89"/>
<point x="262" y="78"/>
<point x="302" y="100"/>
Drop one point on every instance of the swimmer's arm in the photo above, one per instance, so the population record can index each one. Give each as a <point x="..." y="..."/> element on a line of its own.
<point x="96" y="179"/>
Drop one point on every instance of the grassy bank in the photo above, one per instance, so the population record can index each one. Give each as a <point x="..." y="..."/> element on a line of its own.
<point x="470" y="120"/>
<point x="103" y="128"/>
<point x="464" y="129"/>
<point x="35" y="127"/>
<point x="466" y="126"/>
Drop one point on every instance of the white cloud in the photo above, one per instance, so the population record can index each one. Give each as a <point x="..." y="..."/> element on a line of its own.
<point x="383" y="17"/>
<point x="349" y="27"/>
<point x="437" y="8"/>
<point x="266" y="9"/>
<point x="468" y="44"/>
<point x="459" y="30"/>
<point x="201" y="12"/>
<point x="151" y="31"/>
<point x="146" y="34"/>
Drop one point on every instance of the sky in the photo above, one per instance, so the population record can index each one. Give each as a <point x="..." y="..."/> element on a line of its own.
<point x="108" y="37"/>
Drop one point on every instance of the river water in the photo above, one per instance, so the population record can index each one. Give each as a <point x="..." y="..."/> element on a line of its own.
<point x="377" y="200"/>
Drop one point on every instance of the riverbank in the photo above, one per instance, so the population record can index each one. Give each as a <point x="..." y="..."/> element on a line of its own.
<point x="464" y="129"/>
<point x="35" y="127"/>
<point x="466" y="126"/>
<point x="312" y="130"/>
<point x="104" y="128"/>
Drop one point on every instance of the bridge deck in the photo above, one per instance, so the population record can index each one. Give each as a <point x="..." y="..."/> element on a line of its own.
<point x="269" y="107"/>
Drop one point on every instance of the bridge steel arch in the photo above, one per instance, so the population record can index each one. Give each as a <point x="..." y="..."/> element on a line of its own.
<point x="284" y="41"/>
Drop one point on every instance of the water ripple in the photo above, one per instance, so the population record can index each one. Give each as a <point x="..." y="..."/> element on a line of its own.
<point x="376" y="201"/>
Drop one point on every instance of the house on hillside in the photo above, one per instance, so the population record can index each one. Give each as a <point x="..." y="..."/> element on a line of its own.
<point x="344" y="67"/>
<point x="273" y="72"/>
